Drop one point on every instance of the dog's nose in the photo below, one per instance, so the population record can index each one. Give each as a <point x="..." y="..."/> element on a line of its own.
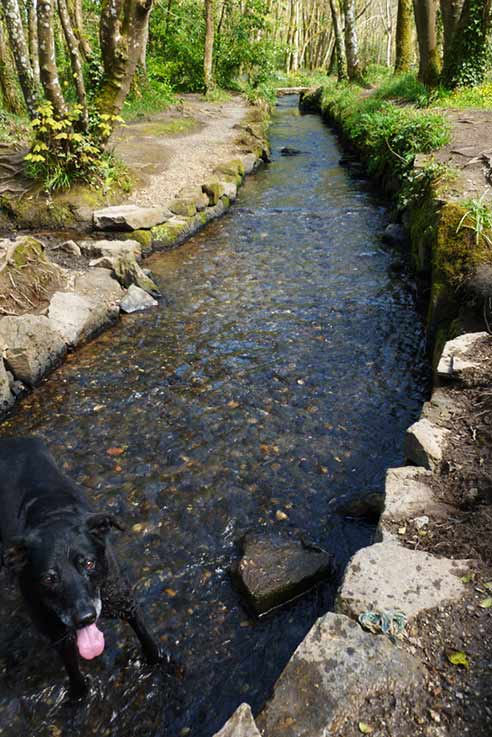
<point x="85" y="617"/>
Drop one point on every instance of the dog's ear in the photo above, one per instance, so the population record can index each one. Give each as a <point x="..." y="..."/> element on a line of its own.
<point x="100" y="524"/>
<point x="14" y="555"/>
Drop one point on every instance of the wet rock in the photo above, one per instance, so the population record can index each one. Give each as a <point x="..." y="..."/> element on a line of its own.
<point x="274" y="570"/>
<point x="78" y="318"/>
<point x="230" y="190"/>
<point x="69" y="247"/>
<point x="408" y="493"/>
<point x="32" y="346"/>
<point x="127" y="271"/>
<point x="395" y="235"/>
<point x="241" y="724"/>
<point x="424" y="443"/>
<point x="7" y="397"/>
<point x="214" y="191"/>
<point x="174" y="231"/>
<point x="93" y="249"/>
<point x="289" y="151"/>
<point x="457" y="358"/>
<point x="368" y="507"/>
<point x="310" y="100"/>
<point x="183" y="206"/>
<point x="196" y="195"/>
<point x="129" y="217"/>
<point x="389" y="576"/>
<point x="99" y="285"/>
<point x="331" y="674"/>
<point x="136" y="300"/>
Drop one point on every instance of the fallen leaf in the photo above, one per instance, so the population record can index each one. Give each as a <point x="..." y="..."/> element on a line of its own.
<point x="170" y="592"/>
<point x="488" y="585"/>
<point x="459" y="658"/>
<point x="115" y="451"/>
<point x="365" y="728"/>
<point x="118" y="469"/>
<point x="281" y="516"/>
<point x="232" y="404"/>
<point x="486" y="603"/>
<point x="402" y="530"/>
<point x="468" y="577"/>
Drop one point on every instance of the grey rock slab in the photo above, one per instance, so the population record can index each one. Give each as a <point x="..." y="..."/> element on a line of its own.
<point x="69" y="247"/>
<point x="241" y="724"/>
<point x="196" y="195"/>
<point x="230" y="190"/>
<point x="95" y="249"/>
<point x="78" y="318"/>
<point x="457" y="357"/>
<point x="330" y="675"/>
<point x="424" y="443"/>
<point x="249" y="162"/>
<point x="442" y="407"/>
<point x="129" y="217"/>
<point x="275" y="569"/>
<point x="7" y="398"/>
<point x="136" y="300"/>
<point x="388" y="576"/>
<point x="408" y="493"/>
<point x="99" y="285"/>
<point x="127" y="271"/>
<point x="32" y="346"/>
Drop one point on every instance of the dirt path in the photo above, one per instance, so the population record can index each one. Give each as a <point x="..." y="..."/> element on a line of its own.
<point x="179" y="147"/>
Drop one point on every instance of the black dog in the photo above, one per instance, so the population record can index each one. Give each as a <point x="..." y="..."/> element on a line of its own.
<point x="58" y="547"/>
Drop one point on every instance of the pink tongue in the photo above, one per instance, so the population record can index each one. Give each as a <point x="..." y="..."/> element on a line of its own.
<point x="90" y="642"/>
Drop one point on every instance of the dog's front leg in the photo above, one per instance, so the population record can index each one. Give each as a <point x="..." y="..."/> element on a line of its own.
<point x="151" y="649"/>
<point x="69" y="655"/>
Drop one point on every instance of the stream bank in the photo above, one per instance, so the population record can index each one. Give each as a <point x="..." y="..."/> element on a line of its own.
<point x="408" y="650"/>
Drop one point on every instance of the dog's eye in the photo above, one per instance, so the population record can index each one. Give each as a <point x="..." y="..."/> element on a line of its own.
<point x="89" y="565"/>
<point x="48" y="580"/>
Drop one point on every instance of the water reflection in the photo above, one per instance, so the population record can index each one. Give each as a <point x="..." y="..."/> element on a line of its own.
<point x="280" y="375"/>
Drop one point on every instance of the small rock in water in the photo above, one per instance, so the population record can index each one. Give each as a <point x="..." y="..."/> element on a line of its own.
<point x="281" y="516"/>
<point x="69" y="247"/>
<point x="395" y="235"/>
<point x="289" y="151"/>
<point x="136" y="300"/>
<point x="276" y="569"/>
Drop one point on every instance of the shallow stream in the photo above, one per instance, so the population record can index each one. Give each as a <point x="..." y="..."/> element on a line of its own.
<point x="279" y="374"/>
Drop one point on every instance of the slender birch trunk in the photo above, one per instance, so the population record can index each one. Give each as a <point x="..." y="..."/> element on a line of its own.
<point x="208" y="56"/>
<point x="47" y="57"/>
<point x="75" y="59"/>
<point x="20" y="52"/>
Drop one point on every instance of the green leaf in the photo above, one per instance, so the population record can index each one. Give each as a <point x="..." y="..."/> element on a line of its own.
<point x="459" y="658"/>
<point x="365" y="728"/>
<point x="468" y="577"/>
<point x="488" y="585"/>
<point x="486" y="603"/>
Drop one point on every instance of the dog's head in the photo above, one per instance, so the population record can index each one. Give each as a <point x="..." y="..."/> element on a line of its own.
<point x="63" y="566"/>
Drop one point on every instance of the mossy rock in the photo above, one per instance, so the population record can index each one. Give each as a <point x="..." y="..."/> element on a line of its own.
<point x="183" y="206"/>
<point x="144" y="237"/>
<point x="214" y="191"/>
<point x="232" y="168"/>
<point x="170" y="233"/>
<point x="310" y="100"/>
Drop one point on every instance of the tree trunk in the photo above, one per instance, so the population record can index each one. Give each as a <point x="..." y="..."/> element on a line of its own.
<point x="425" y="20"/>
<point x="78" y="28"/>
<point x="75" y="59"/>
<point x="8" y="80"/>
<point x="47" y="58"/>
<point x="465" y="62"/>
<point x="389" y="33"/>
<point x="339" y="43"/>
<point x="208" y="56"/>
<point x="404" y="36"/>
<point x="351" y="41"/>
<point x="121" y="31"/>
<point x="20" y="53"/>
<point x="450" y="13"/>
<point x="32" y="26"/>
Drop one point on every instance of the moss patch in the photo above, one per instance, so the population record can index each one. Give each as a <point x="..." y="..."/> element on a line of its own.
<point x="174" y="127"/>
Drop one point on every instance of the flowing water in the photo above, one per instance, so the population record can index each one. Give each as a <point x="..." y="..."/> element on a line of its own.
<point x="278" y="375"/>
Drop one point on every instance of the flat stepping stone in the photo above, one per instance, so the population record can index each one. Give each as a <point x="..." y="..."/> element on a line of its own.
<point x="388" y="576"/>
<point x="96" y="249"/>
<point x="78" y="318"/>
<point x="241" y="724"/>
<point x="424" y="443"/>
<point x="332" y="672"/>
<point x="98" y="284"/>
<point x="136" y="300"/>
<point x="32" y="346"/>
<point x="275" y="570"/>
<point x="408" y="494"/>
<point x="129" y="217"/>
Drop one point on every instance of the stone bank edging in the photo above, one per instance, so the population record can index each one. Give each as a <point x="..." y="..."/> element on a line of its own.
<point x="89" y="302"/>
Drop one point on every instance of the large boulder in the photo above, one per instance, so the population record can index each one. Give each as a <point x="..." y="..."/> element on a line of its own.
<point x="129" y="217"/>
<point x="32" y="346"/>
<point x="99" y="285"/>
<point x="136" y="300"/>
<point x="127" y="271"/>
<point x="93" y="249"/>
<point x="408" y="493"/>
<point x="332" y="672"/>
<point x="183" y="206"/>
<point x="274" y="570"/>
<point x="458" y="359"/>
<point x="387" y="576"/>
<point x="196" y="195"/>
<point x="78" y="318"/>
<point x="241" y="724"/>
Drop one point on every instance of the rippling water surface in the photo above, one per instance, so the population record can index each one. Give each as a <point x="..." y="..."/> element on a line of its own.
<point x="279" y="374"/>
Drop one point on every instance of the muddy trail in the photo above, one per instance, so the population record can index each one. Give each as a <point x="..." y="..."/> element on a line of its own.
<point x="278" y="374"/>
